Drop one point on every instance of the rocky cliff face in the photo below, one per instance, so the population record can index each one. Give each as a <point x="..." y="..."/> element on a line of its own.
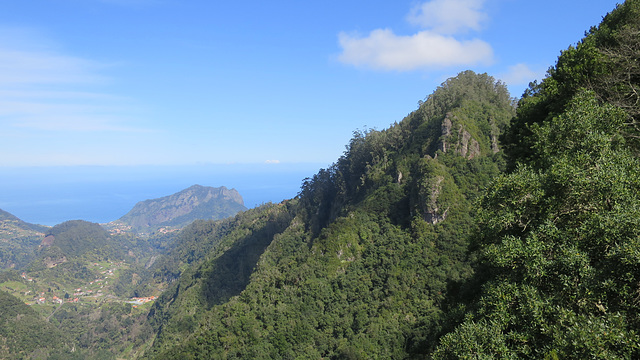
<point x="460" y="142"/>
<point x="180" y="209"/>
<point x="432" y="211"/>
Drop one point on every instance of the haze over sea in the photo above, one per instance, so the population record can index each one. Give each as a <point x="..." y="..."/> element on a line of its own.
<point x="51" y="195"/>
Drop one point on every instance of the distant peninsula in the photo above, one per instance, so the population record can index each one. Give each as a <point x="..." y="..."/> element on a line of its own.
<point x="180" y="209"/>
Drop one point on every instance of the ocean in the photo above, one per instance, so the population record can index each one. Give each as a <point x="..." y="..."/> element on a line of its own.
<point x="52" y="195"/>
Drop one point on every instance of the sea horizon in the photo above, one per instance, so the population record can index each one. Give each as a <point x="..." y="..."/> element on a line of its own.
<point x="50" y="195"/>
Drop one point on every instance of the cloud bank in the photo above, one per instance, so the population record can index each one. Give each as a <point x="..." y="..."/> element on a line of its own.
<point x="435" y="46"/>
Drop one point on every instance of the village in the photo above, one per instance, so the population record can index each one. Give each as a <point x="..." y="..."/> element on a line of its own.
<point x="92" y="292"/>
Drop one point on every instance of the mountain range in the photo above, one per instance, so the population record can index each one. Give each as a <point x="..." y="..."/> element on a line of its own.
<point x="21" y="242"/>
<point x="477" y="227"/>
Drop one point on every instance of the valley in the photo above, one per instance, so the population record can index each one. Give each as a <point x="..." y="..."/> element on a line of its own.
<point x="479" y="226"/>
<point x="78" y="272"/>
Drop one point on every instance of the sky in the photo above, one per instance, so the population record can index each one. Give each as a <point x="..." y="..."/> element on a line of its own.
<point x="188" y="82"/>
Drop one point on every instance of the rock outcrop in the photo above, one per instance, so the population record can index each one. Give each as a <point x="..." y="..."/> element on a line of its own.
<point x="464" y="144"/>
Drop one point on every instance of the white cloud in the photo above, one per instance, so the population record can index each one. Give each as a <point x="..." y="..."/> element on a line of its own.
<point x="521" y="74"/>
<point x="34" y="67"/>
<point x="435" y="47"/>
<point x="449" y="16"/>
<point x="65" y="117"/>
<point x="384" y="50"/>
<point x="272" y="162"/>
<point x="42" y="88"/>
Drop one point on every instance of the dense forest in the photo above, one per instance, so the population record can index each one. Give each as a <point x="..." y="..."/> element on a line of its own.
<point x="426" y="240"/>
<point x="360" y="262"/>
<point x="477" y="227"/>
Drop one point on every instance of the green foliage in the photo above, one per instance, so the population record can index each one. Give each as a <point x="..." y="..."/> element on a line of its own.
<point x="360" y="264"/>
<point x="75" y="237"/>
<point x="604" y="62"/>
<point x="105" y="331"/>
<point x="76" y="245"/>
<point x="18" y="241"/>
<point x="558" y="273"/>
<point x="23" y="334"/>
<point x="222" y="256"/>
<point x="415" y="244"/>
<point x="553" y="238"/>
<point x="97" y="327"/>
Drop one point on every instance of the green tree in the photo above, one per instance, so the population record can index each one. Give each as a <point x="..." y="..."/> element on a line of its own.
<point x="558" y="244"/>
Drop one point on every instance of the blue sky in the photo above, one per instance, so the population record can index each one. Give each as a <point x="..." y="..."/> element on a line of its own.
<point x="183" y="82"/>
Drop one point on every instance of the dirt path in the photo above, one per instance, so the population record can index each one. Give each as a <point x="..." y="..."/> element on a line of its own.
<point x="54" y="311"/>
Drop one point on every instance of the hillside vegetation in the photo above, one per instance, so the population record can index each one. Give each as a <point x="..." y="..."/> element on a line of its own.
<point x="558" y="274"/>
<point x="477" y="227"/>
<point x="18" y="240"/>
<point x="90" y="288"/>
<point x="426" y="240"/>
<point x="361" y="261"/>
<point x="25" y="335"/>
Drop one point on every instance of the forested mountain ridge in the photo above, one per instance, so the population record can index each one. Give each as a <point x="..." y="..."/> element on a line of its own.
<point x="360" y="262"/>
<point x="415" y="243"/>
<point x="471" y="229"/>
<point x="68" y="254"/>
<point x="604" y="63"/>
<point x="182" y="208"/>
<point x="18" y="240"/>
<point x="84" y="241"/>
<point x="75" y="237"/>
<point x="8" y="217"/>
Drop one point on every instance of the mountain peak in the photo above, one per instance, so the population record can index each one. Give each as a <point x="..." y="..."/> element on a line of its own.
<point x="182" y="208"/>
